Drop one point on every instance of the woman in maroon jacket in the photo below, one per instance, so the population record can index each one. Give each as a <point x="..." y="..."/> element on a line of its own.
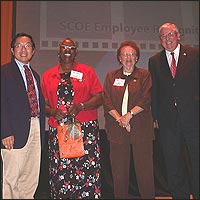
<point x="128" y="122"/>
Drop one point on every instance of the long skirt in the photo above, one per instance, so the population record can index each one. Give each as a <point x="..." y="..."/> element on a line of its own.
<point x="76" y="178"/>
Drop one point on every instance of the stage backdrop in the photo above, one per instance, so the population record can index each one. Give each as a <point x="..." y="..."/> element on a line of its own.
<point x="99" y="27"/>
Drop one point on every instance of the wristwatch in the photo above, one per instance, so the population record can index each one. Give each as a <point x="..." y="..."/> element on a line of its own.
<point x="131" y="113"/>
<point x="82" y="106"/>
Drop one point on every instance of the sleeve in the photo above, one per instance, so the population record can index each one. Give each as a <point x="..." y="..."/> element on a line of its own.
<point x="96" y="84"/>
<point x="107" y="94"/>
<point x="43" y="85"/>
<point x="154" y="92"/>
<point x="145" y="100"/>
<point x="5" y="110"/>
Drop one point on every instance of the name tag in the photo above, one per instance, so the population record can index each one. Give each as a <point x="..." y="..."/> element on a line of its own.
<point x="76" y="74"/>
<point x="119" y="82"/>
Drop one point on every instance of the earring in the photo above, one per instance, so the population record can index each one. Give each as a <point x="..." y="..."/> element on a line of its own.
<point x="58" y="55"/>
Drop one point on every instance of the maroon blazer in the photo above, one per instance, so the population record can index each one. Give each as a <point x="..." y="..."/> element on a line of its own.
<point x="139" y="87"/>
<point x="15" y="108"/>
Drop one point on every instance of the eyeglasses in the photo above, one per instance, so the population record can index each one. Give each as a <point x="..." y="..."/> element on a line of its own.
<point x="67" y="47"/>
<point x="169" y="35"/>
<point x="26" y="46"/>
<point x="131" y="54"/>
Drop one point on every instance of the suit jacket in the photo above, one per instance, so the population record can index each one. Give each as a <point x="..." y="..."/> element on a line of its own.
<point x="15" y="108"/>
<point x="139" y="87"/>
<point x="182" y="90"/>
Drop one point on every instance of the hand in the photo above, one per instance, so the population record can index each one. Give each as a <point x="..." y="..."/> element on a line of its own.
<point x="128" y="127"/>
<point x="125" y="119"/>
<point x="8" y="142"/>
<point x="155" y="124"/>
<point x="59" y="114"/>
<point x="74" y="110"/>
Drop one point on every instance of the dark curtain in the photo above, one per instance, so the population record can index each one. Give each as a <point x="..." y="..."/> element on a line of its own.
<point x="6" y="30"/>
<point x="6" y="36"/>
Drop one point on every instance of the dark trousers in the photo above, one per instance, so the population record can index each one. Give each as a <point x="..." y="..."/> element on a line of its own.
<point x="183" y="180"/>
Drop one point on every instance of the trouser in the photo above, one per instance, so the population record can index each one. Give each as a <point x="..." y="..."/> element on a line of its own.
<point x="21" y="167"/>
<point x="143" y="162"/>
<point x="180" y="179"/>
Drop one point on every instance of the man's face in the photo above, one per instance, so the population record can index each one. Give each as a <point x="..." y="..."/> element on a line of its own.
<point x="169" y="38"/>
<point x="23" y="49"/>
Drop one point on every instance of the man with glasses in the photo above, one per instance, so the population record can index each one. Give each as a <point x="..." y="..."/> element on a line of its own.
<point x="175" y="109"/>
<point x="22" y="125"/>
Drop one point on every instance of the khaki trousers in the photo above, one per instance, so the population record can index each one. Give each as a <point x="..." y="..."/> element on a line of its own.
<point x="21" y="167"/>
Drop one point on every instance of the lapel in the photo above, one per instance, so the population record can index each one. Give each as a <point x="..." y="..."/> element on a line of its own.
<point x="181" y="59"/>
<point x="35" y="76"/>
<point x="37" y="82"/>
<point x="165" y="70"/>
<point x="180" y="65"/>
<point x="15" y="72"/>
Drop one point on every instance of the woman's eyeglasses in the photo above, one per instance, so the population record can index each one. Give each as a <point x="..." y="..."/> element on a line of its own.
<point x="67" y="47"/>
<point x="126" y="54"/>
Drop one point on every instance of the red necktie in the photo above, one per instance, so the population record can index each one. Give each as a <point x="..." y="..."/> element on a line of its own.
<point x="173" y="65"/>
<point x="31" y="92"/>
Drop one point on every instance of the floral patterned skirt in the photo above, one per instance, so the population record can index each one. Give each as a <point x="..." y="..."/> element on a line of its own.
<point x="76" y="178"/>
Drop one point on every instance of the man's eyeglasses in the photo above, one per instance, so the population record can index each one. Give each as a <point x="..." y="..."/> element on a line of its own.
<point x="169" y="35"/>
<point x="67" y="47"/>
<point x="131" y="54"/>
<point x="26" y="46"/>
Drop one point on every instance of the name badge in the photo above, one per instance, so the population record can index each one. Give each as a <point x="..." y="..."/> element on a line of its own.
<point x="76" y="74"/>
<point x="119" y="82"/>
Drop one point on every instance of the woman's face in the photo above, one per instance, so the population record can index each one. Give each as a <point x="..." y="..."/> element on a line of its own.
<point x="128" y="57"/>
<point x="67" y="51"/>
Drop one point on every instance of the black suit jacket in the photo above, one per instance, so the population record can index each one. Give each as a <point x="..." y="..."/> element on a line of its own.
<point x="15" y="108"/>
<point x="183" y="89"/>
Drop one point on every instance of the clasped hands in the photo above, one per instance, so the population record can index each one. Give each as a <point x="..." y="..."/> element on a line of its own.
<point x="124" y="121"/>
<point x="73" y="111"/>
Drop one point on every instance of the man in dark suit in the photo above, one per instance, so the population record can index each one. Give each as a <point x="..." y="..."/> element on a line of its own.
<point x="175" y="109"/>
<point x="21" y="131"/>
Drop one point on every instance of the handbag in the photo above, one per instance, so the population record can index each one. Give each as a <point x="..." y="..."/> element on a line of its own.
<point x="70" y="140"/>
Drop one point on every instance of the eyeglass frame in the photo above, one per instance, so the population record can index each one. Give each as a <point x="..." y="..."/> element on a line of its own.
<point x="126" y="54"/>
<point x="68" y="47"/>
<point x="26" y="46"/>
<point x="169" y="35"/>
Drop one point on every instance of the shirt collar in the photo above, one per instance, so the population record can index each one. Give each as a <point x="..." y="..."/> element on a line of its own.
<point x="176" y="51"/>
<point x="20" y="64"/>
